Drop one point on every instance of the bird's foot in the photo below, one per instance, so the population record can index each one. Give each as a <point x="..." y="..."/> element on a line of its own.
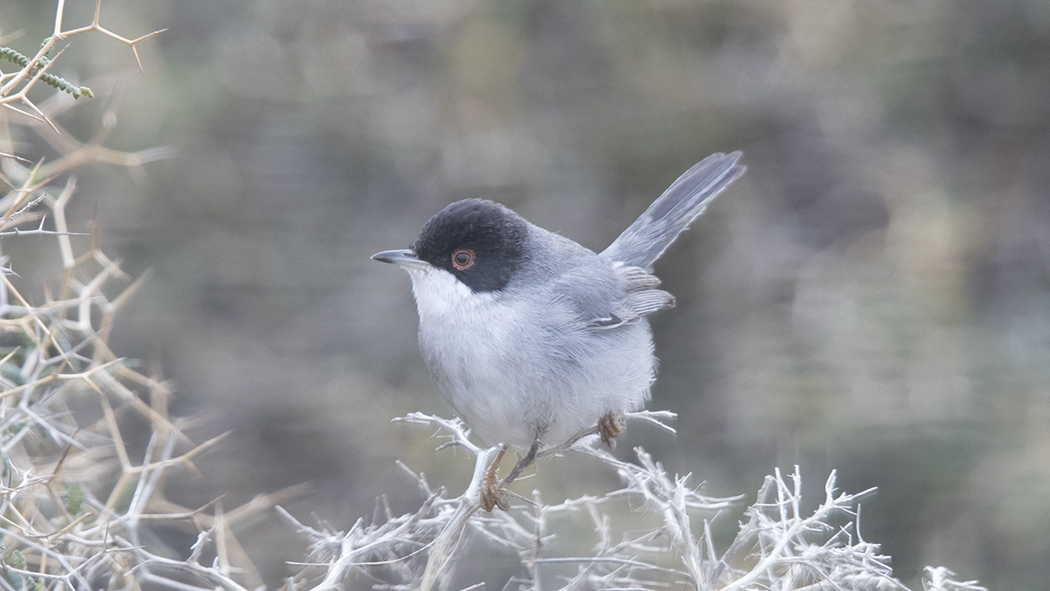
<point x="492" y="494"/>
<point x="610" y="427"/>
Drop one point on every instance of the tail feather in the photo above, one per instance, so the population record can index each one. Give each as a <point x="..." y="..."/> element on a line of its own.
<point x="649" y="236"/>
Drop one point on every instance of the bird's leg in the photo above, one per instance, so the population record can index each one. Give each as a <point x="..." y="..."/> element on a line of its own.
<point x="491" y="494"/>
<point x="523" y="463"/>
<point x="610" y="427"/>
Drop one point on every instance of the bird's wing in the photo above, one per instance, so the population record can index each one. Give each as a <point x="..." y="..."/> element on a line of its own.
<point x="642" y="295"/>
<point x="602" y="298"/>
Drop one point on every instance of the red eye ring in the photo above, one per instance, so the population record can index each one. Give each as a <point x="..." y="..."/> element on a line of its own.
<point x="463" y="259"/>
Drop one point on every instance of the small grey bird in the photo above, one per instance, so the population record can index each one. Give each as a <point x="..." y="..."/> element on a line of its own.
<point x="533" y="338"/>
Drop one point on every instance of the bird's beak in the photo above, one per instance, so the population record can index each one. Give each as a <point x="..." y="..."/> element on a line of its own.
<point x="403" y="258"/>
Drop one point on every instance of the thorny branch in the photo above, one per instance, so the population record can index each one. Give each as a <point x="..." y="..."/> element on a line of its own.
<point x="74" y="495"/>
<point x="652" y="533"/>
<point x="15" y="86"/>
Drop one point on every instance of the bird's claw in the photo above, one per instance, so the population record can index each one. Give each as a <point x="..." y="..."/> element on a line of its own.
<point x="490" y="493"/>
<point x="610" y="427"/>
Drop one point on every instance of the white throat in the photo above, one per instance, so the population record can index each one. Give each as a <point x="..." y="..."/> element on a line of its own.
<point x="441" y="298"/>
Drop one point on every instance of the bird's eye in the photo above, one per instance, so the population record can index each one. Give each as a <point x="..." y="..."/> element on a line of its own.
<point x="463" y="259"/>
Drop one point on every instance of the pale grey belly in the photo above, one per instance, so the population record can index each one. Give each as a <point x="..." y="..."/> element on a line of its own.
<point x="509" y="388"/>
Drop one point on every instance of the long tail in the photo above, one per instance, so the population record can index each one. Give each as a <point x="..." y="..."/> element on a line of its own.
<point x="649" y="236"/>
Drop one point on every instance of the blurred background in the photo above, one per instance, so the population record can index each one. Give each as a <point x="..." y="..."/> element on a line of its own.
<point x="872" y="297"/>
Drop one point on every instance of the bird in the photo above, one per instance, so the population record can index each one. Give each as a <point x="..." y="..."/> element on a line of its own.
<point x="534" y="339"/>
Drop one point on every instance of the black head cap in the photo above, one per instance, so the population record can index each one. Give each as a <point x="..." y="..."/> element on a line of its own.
<point x="479" y="241"/>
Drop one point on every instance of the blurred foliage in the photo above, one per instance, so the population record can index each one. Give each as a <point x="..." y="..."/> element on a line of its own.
<point x="874" y="296"/>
